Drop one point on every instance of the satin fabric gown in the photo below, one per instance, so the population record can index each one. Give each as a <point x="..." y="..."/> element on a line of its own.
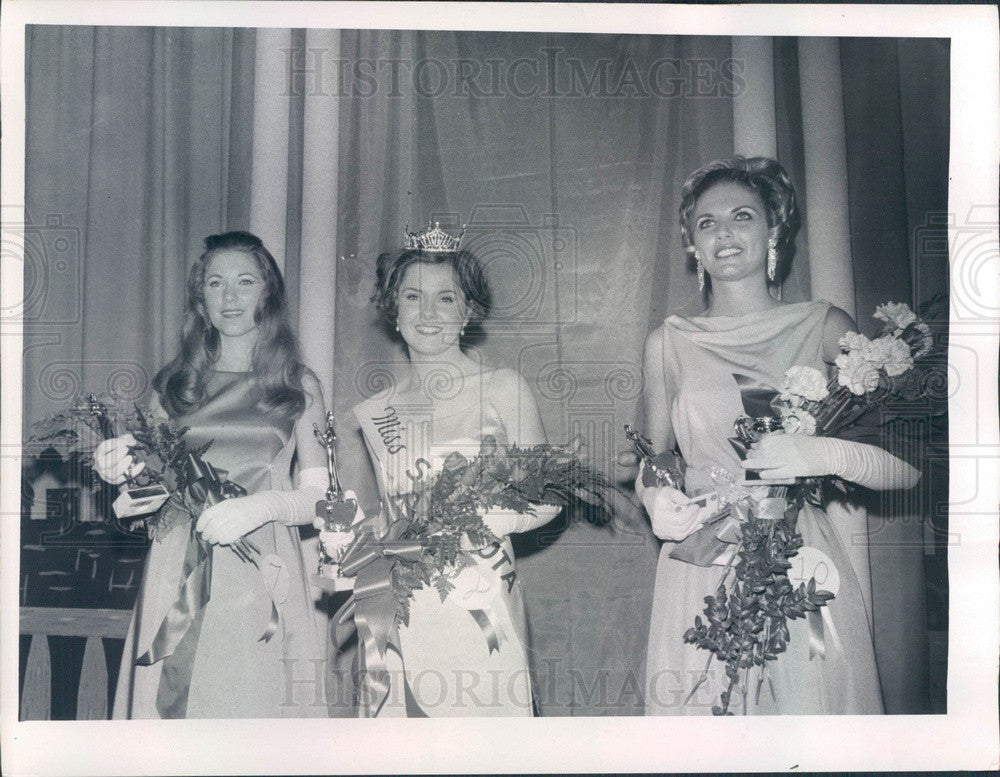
<point x="233" y="672"/>
<point x="700" y="357"/>
<point x="449" y="665"/>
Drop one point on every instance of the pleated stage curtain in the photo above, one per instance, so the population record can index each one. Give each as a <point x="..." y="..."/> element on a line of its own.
<point x="563" y="156"/>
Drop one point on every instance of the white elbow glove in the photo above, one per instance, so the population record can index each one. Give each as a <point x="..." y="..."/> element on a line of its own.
<point x="225" y="522"/>
<point x="781" y="456"/>
<point x="114" y="461"/>
<point x="504" y="522"/>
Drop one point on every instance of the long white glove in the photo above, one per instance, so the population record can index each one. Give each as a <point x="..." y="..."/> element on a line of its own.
<point x="504" y="522"/>
<point x="672" y="514"/>
<point x="781" y="456"/>
<point x="225" y="522"/>
<point x="114" y="461"/>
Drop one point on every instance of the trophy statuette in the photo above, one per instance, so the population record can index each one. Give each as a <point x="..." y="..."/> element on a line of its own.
<point x="334" y="517"/>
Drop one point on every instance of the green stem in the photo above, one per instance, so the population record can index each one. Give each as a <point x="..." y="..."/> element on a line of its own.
<point x="700" y="681"/>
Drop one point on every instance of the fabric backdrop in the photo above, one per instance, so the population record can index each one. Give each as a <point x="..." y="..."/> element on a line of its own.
<point x="563" y="157"/>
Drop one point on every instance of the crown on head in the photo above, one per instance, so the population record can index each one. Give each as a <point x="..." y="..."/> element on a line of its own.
<point x="433" y="239"/>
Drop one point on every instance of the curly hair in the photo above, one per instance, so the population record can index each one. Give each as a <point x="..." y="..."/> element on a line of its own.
<point x="764" y="177"/>
<point x="466" y="267"/>
<point x="276" y="365"/>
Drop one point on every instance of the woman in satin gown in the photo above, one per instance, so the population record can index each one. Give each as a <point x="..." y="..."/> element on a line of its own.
<point x="465" y="656"/>
<point x="252" y="650"/>
<point x="739" y="220"/>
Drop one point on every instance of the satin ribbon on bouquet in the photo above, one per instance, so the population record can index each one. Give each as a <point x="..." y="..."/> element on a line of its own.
<point x="175" y="639"/>
<point x="372" y="609"/>
<point x="759" y="416"/>
<point x="721" y="531"/>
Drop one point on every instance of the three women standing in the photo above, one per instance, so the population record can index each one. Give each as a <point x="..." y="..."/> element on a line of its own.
<point x="239" y="382"/>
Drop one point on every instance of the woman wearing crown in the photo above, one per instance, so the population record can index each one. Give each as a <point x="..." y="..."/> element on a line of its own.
<point x="739" y="220"/>
<point x="466" y="655"/>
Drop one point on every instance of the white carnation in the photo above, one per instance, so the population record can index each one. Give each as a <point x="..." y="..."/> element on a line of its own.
<point x="899" y="358"/>
<point x="878" y="351"/>
<point x="806" y="382"/>
<point x="856" y="373"/>
<point x="896" y="313"/>
<point x="799" y="422"/>
<point x="888" y="353"/>
<point x="853" y="341"/>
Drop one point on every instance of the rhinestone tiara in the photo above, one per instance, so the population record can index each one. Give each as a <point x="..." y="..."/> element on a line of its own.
<point x="433" y="239"/>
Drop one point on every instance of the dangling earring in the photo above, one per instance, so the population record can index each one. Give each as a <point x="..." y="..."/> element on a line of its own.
<point x="397" y="324"/>
<point x="701" y="272"/>
<point x="462" y="333"/>
<point x="772" y="260"/>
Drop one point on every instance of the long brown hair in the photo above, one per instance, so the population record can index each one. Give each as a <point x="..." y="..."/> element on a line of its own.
<point x="276" y="364"/>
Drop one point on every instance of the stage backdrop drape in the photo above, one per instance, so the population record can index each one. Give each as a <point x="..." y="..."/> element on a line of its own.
<point x="136" y="149"/>
<point x="562" y="155"/>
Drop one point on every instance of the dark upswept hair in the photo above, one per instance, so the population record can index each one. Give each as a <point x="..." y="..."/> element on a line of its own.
<point x="468" y="270"/>
<point x="763" y="176"/>
<point x="276" y="365"/>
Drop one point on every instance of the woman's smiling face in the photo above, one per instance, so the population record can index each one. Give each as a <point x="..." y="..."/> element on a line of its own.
<point x="233" y="289"/>
<point x="432" y="308"/>
<point x="730" y="231"/>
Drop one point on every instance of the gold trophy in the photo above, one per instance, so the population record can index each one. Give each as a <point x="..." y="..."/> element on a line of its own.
<point x="334" y="517"/>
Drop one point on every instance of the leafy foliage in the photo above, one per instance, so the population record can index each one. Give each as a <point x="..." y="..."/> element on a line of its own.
<point x="746" y="622"/>
<point x="160" y="444"/>
<point x="443" y="510"/>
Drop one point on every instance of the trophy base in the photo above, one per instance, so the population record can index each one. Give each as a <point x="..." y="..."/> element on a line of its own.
<point x="756" y="482"/>
<point x="140" y="501"/>
<point x="330" y="579"/>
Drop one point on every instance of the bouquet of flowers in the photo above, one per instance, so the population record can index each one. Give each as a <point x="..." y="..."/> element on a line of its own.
<point x="745" y="622"/>
<point x="439" y="526"/>
<point x="440" y="519"/>
<point x="870" y="374"/>
<point x="172" y="483"/>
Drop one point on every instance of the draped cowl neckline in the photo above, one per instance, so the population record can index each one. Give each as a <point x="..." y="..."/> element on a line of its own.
<point x="751" y="333"/>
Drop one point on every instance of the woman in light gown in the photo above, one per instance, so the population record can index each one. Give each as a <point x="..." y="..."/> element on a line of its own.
<point x="739" y="221"/>
<point x="239" y="383"/>
<point x="449" y="400"/>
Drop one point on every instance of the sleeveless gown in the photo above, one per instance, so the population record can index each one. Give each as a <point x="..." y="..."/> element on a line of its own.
<point x="449" y="666"/>
<point x="700" y="355"/>
<point x="233" y="673"/>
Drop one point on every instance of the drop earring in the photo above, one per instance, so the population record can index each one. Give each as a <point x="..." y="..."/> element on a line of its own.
<point x="701" y="272"/>
<point x="397" y="324"/>
<point x="772" y="260"/>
